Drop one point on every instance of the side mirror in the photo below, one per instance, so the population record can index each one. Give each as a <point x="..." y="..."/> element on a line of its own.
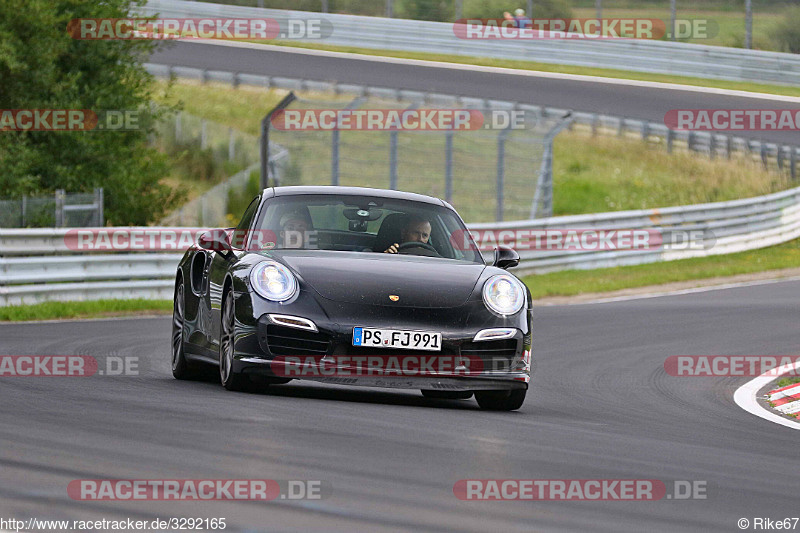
<point x="505" y="257"/>
<point x="215" y="241"/>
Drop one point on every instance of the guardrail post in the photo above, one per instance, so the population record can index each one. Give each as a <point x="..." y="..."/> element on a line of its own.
<point x="793" y="162"/>
<point x="779" y="155"/>
<point x="728" y="146"/>
<point x="448" y="166"/>
<point x="645" y="131"/>
<point x="178" y="127"/>
<point x="24" y="210"/>
<point x="670" y="139"/>
<point x="621" y="127"/>
<point x="393" y="160"/>
<point x="231" y="145"/>
<point x="59" y="215"/>
<point x="764" y="154"/>
<point x="203" y="135"/>
<point x="712" y="145"/>
<point x="99" y="212"/>
<point x="690" y="141"/>
<point x="595" y="123"/>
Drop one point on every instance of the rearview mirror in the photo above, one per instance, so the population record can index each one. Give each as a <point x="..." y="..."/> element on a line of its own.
<point x="505" y="257"/>
<point x="215" y="240"/>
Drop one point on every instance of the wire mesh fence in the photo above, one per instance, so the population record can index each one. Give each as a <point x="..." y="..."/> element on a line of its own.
<point x="488" y="166"/>
<point x="59" y="210"/>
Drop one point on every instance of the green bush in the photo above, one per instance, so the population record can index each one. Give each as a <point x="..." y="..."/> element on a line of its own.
<point x="436" y="10"/>
<point x="786" y="34"/>
<point x="494" y="9"/>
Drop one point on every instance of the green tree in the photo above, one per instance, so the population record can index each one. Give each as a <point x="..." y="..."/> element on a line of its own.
<point x="43" y="67"/>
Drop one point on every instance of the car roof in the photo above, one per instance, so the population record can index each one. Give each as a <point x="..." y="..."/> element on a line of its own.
<point x="354" y="191"/>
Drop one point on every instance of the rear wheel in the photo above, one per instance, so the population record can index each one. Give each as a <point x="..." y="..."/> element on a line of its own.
<point x="500" y="400"/>
<point x="180" y="367"/>
<point x="230" y="380"/>
<point x="447" y="394"/>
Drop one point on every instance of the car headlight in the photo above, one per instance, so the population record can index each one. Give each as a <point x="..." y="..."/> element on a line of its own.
<point x="503" y="294"/>
<point x="273" y="281"/>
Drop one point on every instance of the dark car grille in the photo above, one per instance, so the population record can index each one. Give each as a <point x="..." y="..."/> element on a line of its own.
<point x="490" y="349"/>
<point x="290" y="341"/>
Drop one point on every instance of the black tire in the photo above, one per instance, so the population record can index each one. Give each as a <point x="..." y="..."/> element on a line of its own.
<point x="500" y="400"/>
<point x="229" y="379"/>
<point x="180" y="366"/>
<point x="447" y="394"/>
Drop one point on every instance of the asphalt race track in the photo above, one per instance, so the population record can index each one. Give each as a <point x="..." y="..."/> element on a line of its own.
<point x="614" y="99"/>
<point x="601" y="407"/>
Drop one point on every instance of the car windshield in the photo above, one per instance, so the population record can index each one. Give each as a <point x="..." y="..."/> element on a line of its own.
<point x="363" y="224"/>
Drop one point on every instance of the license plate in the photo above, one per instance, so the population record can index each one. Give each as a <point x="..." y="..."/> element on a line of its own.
<point x="396" y="338"/>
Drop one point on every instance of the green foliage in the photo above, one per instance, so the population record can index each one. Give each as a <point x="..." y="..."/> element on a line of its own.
<point x="496" y="8"/>
<point x="787" y="32"/>
<point x="437" y="10"/>
<point x="43" y="67"/>
<point x="239" y="200"/>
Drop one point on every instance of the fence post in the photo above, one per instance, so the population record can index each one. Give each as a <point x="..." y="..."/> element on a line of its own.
<point x="670" y="139"/>
<point x="645" y="130"/>
<point x="793" y="162"/>
<point x="501" y="167"/>
<point x="728" y="146"/>
<point x="393" y="160"/>
<point x="24" y="209"/>
<point x="59" y="215"/>
<point x="335" y="157"/>
<point x="231" y="145"/>
<point x="389" y="8"/>
<point x="764" y="154"/>
<point x="178" y="127"/>
<point x="99" y="211"/>
<point x="779" y="155"/>
<point x="203" y="134"/>
<point x="448" y="166"/>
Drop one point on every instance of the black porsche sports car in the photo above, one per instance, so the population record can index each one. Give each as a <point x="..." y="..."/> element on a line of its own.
<point x="354" y="286"/>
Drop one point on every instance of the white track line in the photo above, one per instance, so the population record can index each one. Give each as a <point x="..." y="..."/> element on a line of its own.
<point x="745" y="397"/>
<point x="499" y="70"/>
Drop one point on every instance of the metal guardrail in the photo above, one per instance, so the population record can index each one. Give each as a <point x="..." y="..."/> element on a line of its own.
<point x="776" y="156"/>
<point x="37" y="265"/>
<point x="661" y="57"/>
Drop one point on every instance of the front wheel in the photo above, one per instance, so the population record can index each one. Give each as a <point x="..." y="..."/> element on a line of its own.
<point x="500" y="400"/>
<point x="231" y="380"/>
<point x="180" y="367"/>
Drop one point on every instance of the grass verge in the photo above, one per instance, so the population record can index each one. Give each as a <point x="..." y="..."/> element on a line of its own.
<point x="787" y="381"/>
<point x="573" y="282"/>
<point x="91" y="309"/>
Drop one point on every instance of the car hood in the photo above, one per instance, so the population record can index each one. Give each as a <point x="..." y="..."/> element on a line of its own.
<point x="370" y="278"/>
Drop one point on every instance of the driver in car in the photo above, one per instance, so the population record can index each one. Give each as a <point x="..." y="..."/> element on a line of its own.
<point x="417" y="229"/>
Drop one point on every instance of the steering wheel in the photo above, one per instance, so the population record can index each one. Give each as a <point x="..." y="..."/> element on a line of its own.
<point x="406" y="246"/>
